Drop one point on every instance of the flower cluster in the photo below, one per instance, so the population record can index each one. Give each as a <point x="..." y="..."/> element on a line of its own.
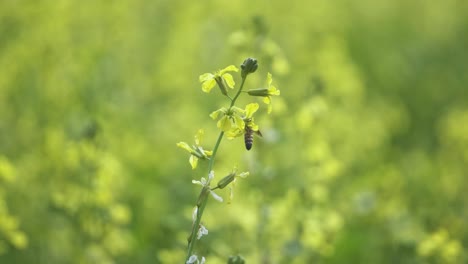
<point x="232" y="120"/>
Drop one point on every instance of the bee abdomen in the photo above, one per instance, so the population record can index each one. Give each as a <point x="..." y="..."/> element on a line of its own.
<point x="248" y="137"/>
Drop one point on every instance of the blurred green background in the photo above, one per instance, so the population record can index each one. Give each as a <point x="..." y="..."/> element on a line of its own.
<point x="364" y="158"/>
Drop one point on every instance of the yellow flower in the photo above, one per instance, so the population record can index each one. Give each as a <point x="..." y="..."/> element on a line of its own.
<point x="196" y="151"/>
<point x="221" y="77"/>
<point x="247" y="120"/>
<point x="230" y="119"/>
<point x="266" y="92"/>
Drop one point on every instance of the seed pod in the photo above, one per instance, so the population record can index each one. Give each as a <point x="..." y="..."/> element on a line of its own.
<point x="226" y="180"/>
<point x="259" y="92"/>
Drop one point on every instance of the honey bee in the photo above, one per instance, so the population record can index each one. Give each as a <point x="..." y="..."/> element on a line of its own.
<point x="249" y="133"/>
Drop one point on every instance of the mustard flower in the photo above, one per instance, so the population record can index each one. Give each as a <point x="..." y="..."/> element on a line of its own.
<point x="247" y="119"/>
<point x="266" y="93"/>
<point x="221" y="77"/>
<point x="231" y="118"/>
<point x="205" y="183"/>
<point x="233" y="185"/>
<point x="231" y="181"/>
<point x="196" y="151"/>
<point x="202" y="231"/>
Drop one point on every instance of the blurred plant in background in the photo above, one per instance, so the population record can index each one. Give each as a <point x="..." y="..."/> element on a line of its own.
<point x="362" y="161"/>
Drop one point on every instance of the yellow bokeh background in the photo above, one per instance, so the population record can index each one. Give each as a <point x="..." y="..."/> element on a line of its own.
<point x="363" y="159"/>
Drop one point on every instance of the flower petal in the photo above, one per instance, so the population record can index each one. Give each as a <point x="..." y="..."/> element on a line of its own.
<point x="228" y="68"/>
<point x="229" y="80"/>
<point x="267" y="100"/>
<point x="269" y="79"/>
<point x="273" y="91"/>
<point x="197" y="182"/>
<point x="238" y="110"/>
<point x="206" y="77"/>
<point x="192" y="259"/>
<point x="214" y="115"/>
<point x="195" y="212"/>
<point x="193" y="161"/>
<point x="224" y="124"/>
<point x="250" y="109"/>
<point x="216" y="197"/>
<point x="204" y="181"/>
<point x="233" y="133"/>
<point x="202" y="231"/>
<point x="210" y="176"/>
<point x="185" y="146"/>
<point x="244" y="174"/>
<point x="239" y="122"/>
<point x="199" y="136"/>
<point x="231" y="193"/>
<point x="208" y="85"/>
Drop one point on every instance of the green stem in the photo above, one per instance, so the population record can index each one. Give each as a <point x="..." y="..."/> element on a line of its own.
<point x="238" y="92"/>
<point x="202" y="205"/>
<point x="215" y="150"/>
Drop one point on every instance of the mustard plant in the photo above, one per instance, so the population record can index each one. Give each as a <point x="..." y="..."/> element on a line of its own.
<point x="232" y="121"/>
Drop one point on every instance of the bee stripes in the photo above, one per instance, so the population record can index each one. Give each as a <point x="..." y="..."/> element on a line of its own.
<point x="248" y="137"/>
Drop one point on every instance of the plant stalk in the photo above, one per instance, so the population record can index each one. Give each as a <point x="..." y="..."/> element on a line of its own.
<point x="201" y="207"/>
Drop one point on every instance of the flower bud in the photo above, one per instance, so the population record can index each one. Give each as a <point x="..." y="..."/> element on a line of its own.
<point x="220" y="81"/>
<point x="226" y="180"/>
<point x="259" y="92"/>
<point x="249" y="66"/>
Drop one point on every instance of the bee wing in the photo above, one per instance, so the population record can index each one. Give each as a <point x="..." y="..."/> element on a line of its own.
<point x="258" y="133"/>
